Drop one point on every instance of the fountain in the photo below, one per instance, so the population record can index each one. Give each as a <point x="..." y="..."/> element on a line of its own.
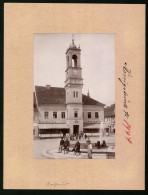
<point x="101" y="132"/>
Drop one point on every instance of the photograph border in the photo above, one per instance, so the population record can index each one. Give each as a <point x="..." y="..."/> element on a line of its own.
<point x="4" y="191"/>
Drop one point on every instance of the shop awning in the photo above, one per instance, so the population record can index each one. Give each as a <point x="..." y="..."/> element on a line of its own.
<point x="53" y="126"/>
<point x="93" y="126"/>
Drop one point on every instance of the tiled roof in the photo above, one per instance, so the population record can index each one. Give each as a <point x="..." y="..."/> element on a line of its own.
<point x="56" y="95"/>
<point x="109" y="111"/>
<point x="89" y="101"/>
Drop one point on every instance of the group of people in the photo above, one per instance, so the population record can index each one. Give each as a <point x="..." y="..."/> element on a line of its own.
<point x="64" y="145"/>
<point x="78" y="136"/>
<point x="76" y="148"/>
<point x="101" y="144"/>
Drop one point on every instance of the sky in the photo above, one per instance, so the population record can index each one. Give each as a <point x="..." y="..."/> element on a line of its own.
<point x="97" y="62"/>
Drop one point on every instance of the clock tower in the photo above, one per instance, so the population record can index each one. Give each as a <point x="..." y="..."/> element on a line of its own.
<point x="73" y="88"/>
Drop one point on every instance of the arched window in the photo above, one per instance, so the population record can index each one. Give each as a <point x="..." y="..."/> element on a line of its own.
<point x="74" y="94"/>
<point x="74" y="61"/>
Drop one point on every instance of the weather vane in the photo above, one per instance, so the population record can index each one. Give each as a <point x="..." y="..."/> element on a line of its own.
<point x="72" y="36"/>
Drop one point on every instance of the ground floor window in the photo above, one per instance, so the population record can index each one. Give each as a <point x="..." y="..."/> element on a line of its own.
<point x="64" y="131"/>
<point x="53" y="131"/>
<point x="91" y="130"/>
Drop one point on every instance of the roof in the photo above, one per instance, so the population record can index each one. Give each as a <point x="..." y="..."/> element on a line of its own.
<point x="56" y="95"/>
<point x="90" y="101"/>
<point x="72" y="45"/>
<point x="109" y="111"/>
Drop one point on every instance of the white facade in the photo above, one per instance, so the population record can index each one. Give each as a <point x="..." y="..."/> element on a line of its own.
<point x="76" y="109"/>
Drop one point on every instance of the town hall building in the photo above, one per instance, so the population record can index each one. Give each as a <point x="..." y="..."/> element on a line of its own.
<point x="58" y="111"/>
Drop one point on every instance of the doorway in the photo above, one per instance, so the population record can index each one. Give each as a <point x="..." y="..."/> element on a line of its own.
<point x="76" y="129"/>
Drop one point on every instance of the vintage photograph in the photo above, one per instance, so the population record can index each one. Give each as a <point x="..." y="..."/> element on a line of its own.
<point x="74" y="96"/>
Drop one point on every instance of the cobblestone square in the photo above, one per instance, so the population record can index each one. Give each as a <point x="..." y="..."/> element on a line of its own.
<point x="48" y="148"/>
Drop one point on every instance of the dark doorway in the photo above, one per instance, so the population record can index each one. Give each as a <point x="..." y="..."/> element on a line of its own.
<point x="76" y="129"/>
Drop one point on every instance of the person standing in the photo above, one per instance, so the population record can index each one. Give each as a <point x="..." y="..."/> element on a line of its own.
<point x="61" y="145"/>
<point x="88" y="140"/>
<point x="66" y="145"/>
<point x="76" y="148"/>
<point x="89" y="150"/>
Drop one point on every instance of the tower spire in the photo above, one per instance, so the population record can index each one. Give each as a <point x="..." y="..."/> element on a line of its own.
<point x="88" y="93"/>
<point x="73" y="38"/>
<point x="72" y="45"/>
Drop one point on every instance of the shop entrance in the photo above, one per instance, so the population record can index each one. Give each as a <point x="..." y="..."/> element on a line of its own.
<point x="76" y="129"/>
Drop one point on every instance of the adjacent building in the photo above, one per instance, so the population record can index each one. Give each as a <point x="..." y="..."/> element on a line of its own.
<point x="109" y="118"/>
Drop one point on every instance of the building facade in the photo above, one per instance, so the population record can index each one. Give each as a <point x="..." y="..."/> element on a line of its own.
<point x="67" y="110"/>
<point x="109" y="118"/>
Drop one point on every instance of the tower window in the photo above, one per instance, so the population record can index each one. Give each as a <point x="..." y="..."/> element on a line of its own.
<point x="89" y="114"/>
<point x="77" y="94"/>
<point x="75" y="114"/>
<point x="63" y="114"/>
<point x="54" y="114"/>
<point x="74" y="61"/>
<point x="46" y="114"/>
<point x="96" y="115"/>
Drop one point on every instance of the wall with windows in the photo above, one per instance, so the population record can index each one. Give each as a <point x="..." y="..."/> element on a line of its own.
<point x="74" y="111"/>
<point x="74" y="95"/>
<point x="110" y="121"/>
<point x="75" y="117"/>
<point x="55" y="113"/>
<point x="93" y="113"/>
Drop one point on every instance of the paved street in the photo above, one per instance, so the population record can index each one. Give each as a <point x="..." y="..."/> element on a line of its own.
<point x="48" y="148"/>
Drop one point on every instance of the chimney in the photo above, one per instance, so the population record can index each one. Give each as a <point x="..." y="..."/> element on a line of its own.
<point x="48" y="86"/>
